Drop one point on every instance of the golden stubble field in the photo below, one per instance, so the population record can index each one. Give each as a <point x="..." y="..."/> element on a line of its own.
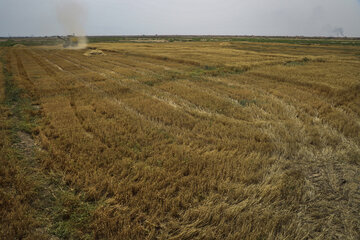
<point x="183" y="141"/>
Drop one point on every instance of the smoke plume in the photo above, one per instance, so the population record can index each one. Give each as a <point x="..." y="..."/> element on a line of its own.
<point x="71" y="14"/>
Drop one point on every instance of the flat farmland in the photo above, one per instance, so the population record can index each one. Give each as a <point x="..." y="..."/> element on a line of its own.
<point x="181" y="140"/>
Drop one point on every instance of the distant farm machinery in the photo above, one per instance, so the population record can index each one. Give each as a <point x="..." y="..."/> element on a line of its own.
<point x="70" y="41"/>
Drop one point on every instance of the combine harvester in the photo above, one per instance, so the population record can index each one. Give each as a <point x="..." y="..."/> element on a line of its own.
<point x="70" y="41"/>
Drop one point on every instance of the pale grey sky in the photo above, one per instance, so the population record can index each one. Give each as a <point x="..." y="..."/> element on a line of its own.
<point x="133" y="17"/>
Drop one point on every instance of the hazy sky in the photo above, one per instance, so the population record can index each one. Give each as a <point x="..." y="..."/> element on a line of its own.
<point x="130" y="17"/>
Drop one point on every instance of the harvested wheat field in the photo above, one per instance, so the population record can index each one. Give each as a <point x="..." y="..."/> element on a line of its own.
<point x="180" y="140"/>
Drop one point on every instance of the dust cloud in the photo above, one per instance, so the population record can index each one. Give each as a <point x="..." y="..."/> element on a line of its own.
<point x="71" y="15"/>
<point x="339" y="31"/>
<point x="334" y="31"/>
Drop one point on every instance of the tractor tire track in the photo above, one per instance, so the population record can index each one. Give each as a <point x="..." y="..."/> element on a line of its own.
<point x="22" y="70"/>
<point x="49" y="71"/>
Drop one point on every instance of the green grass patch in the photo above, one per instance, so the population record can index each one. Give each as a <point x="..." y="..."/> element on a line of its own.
<point x="24" y="115"/>
<point x="298" y="63"/>
<point x="72" y="214"/>
<point x="7" y="43"/>
<point x="149" y="83"/>
<point x="108" y="39"/>
<point x="301" y="41"/>
<point x="30" y="42"/>
<point x="216" y="71"/>
<point x="294" y="63"/>
<point x="246" y="102"/>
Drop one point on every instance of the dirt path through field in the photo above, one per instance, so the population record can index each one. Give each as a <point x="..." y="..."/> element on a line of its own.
<point x="46" y="190"/>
